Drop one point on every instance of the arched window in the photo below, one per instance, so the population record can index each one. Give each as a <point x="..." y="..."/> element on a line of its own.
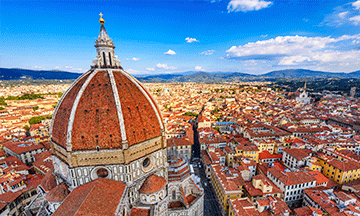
<point x="110" y="59"/>
<point x="104" y="58"/>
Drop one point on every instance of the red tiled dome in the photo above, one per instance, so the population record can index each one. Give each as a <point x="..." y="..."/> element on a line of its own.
<point x="153" y="184"/>
<point x="49" y="181"/>
<point x="58" y="193"/>
<point x="104" y="108"/>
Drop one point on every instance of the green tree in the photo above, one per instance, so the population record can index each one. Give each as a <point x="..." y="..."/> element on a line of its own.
<point x="27" y="128"/>
<point x="55" y="104"/>
<point x="35" y="108"/>
<point x="190" y="114"/>
<point x="214" y="111"/>
<point x="38" y="119"/>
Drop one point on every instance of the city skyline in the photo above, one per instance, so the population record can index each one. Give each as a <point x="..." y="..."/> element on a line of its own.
<point x="168" y="37"/>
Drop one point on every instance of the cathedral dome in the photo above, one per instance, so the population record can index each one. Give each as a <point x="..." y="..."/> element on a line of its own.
<point x="105" y="109"/>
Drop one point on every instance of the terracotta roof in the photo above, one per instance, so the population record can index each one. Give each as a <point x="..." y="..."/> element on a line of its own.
<point x="344" y="165"/>
<point x="299" y="154"/>
<point x="153" y="184"/>
<point x="306" y="211"/>
<point x="7" y="198"/>
<point x="22" y="147"/>
<point x="92" y="197"/>
<point x="320" y="178"/>
<point x="96" y="121"/>
<point x="177" y="142"/>
<point x="292" y="178"/>
<point x="58" y="193"/>
<point x="267" y="155"/>
<point x="139" y="211"/>
<point x="48" y="182"/>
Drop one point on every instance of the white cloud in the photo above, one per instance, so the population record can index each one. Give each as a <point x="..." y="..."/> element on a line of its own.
<point x="293" y="60"/>
<point x="299" y="50"/>
<point x="132" y="71"/>
<point x="170" y="52"/>
<point x="355" y="20"/>
<point x="37" y="67"/>
<point x="57" y="67"/>
<point x="247" y="5"/>
<point x="264" y="36"/>
<point x="150" y="69"/>
<point x="165" y="66"/>
<point x="133" y="58"/>
<point x="68" y="67"/>
<point x="356" y="4"/>
<point x="190" y="40"/>
<point x="342" y="15"/>
<point x="207" y="52"/>
<point x="199" y="68"/>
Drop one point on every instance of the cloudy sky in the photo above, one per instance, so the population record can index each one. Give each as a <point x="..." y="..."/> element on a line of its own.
<point x="151" y="37"/>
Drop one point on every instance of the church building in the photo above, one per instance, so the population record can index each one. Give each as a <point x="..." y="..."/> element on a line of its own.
<point x="109" y="150"/>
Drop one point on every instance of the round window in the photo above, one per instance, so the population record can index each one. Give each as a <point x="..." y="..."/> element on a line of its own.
<point x="102" y="172"/>
<point x="146" y="162"/>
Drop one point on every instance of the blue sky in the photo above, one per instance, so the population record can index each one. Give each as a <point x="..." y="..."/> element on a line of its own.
<point x="151" y="37"/>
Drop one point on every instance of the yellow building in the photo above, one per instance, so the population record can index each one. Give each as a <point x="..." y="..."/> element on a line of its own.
<point x="313" y="164"/>
<point x="248" y="150"/>
<point x="227" y="183"/>
<point x="266" y="145"/>
<point x="41" y="139"/>
<point x="340" y="171"/>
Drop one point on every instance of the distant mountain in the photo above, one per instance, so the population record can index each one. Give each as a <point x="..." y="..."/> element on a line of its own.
<point x="188" y="76"/>
<point x="302" y="73"/>
<point x="14" y="74"/>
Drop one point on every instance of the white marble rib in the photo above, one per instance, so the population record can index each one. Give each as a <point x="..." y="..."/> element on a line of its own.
<point x="74" y="107"/>
<point x="118" y="105"/>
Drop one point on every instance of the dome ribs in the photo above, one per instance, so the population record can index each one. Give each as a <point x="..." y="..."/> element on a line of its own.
<point x="60" y="125"/>
<point x="139" y="117"/>
<point x="155" y="104"/>
<point x="96" y="122"/>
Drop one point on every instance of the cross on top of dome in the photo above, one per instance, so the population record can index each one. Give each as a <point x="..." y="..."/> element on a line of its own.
<point x="101" y="20"/>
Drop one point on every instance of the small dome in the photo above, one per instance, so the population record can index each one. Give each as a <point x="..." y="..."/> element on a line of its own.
<point x="48" y="182"/>
<point x="153" y="184"/>
<point x="58" y="193"/>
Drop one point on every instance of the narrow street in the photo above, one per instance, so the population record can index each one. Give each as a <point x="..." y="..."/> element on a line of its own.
<point x="211" y="205"/>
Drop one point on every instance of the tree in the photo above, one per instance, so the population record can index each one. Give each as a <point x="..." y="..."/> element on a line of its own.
<point x="55" y="104"/>
<point x="38" y="119"/>
<point x="35" y="108"/>
<point x="190" y="114"/>
<point x="27" y="128"/>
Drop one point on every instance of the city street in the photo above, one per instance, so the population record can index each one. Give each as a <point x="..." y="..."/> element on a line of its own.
<point x="211" y="205"/>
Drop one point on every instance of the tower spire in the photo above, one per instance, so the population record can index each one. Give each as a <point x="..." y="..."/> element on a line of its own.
<point x="105" y="49"/>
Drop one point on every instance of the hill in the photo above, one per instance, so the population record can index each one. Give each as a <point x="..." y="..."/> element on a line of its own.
<point x="188" y="76"/>
<point x="14" y="74"/>
<point x="302" y="73"/>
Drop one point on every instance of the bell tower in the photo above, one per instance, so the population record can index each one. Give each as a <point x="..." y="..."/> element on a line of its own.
<point x="105" y="49"/>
